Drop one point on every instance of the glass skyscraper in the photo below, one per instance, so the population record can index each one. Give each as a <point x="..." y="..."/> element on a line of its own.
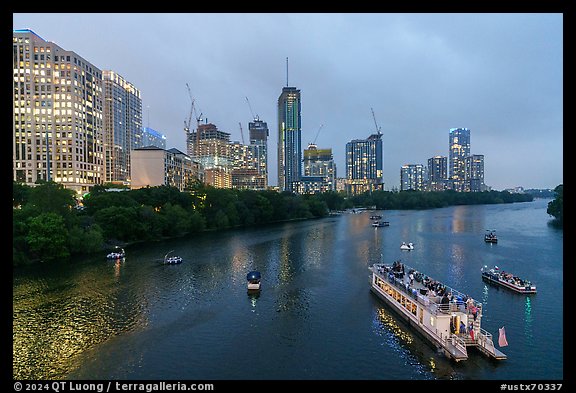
<point x="152" y="137"/>
<point x="122" y="125"/>
<point x="289" y="138"/>
<point x="459" y="149"/>
<point x="437" y="173"/>
<point x="475" y="173"/>
<point x="364" y="164"/>
<point x="412" y="177"/>
<point x="258" y="130"/>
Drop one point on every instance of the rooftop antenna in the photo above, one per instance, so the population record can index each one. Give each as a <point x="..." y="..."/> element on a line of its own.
<point x="287" y="72"/>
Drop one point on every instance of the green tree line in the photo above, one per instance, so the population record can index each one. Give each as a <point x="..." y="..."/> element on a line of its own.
<point x="409" y="200"/>
<point x="556" y="206"/>
<point x="48" y="223"/>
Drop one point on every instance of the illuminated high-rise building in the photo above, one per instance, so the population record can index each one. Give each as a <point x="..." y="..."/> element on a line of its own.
<point x="412" y="177"/>
<point x="475" y="173"/>
<point x="258" y="131"/>
<point x="459" y="149"/>
<point x="58" y="115"/>
<point x="213" y="152"/>
<point x="289" y="138"/>
<point x="122" y="125"/>
<point x="364" y="164"/>
<point x="437" y="173"/>
<point x="318" y="164"/>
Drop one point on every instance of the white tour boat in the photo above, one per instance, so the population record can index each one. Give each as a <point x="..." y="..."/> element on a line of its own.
<point x="450" y="320"/>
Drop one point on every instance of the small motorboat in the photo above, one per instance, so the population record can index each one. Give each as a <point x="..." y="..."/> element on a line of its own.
<point x="490" y="236"/>
<point x="409" y="246"/>
<point x="380" y="224"/>
<point x="253" y="278"/>
<point x="173" y="260"/>
<point x="116" y="255"/>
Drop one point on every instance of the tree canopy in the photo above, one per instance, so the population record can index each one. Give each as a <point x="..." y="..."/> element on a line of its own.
<point x="47" y="225"/>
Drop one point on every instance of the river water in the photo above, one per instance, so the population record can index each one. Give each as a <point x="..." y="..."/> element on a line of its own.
<point x="315" y="317"/>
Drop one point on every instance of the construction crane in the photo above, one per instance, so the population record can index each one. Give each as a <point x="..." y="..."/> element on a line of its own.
<point x="317" y="132"/>
<point x="376" y="124"/>
<point x="241" y="132"/>
<point x="198" y="117"/>
<point x="255" y="117"/>
<point x="187" y="123"/>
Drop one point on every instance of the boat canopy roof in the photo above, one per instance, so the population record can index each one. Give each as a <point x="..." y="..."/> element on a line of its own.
<point x="253" y="275"/>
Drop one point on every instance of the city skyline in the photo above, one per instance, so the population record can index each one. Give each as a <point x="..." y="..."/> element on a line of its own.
<point x="500" y="76"/>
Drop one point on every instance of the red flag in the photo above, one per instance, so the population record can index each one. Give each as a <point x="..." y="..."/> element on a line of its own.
<point x="502" y="337"/>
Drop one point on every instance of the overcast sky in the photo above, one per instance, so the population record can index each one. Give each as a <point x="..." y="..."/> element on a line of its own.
<point x="498" y="74"/>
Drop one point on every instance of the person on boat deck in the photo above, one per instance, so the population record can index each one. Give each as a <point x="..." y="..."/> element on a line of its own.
<point x="411" y="278"/>
<point x="474" y="311"/>
<point x="462" y="327"/>
<point x="445" y="301"/>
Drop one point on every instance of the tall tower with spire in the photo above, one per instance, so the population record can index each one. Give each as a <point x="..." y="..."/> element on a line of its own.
<point x="289" y="137"/>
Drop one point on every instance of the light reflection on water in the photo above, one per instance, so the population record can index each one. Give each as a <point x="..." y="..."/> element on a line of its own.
<point x="50" y="330"/>
<point x="101" y="319"/>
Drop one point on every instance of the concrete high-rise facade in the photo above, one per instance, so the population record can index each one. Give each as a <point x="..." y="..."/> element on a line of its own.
<point x="459" y="149"/>
<point x="57" y="115"/>
<point x="289" y="138"/>
<point x="364" y="164"/>
<point x="154" y="166"/>
<point x="122" y="125"/>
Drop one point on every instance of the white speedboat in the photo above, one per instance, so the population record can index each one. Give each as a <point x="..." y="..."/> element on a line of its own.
<point x="409" y="246"/>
